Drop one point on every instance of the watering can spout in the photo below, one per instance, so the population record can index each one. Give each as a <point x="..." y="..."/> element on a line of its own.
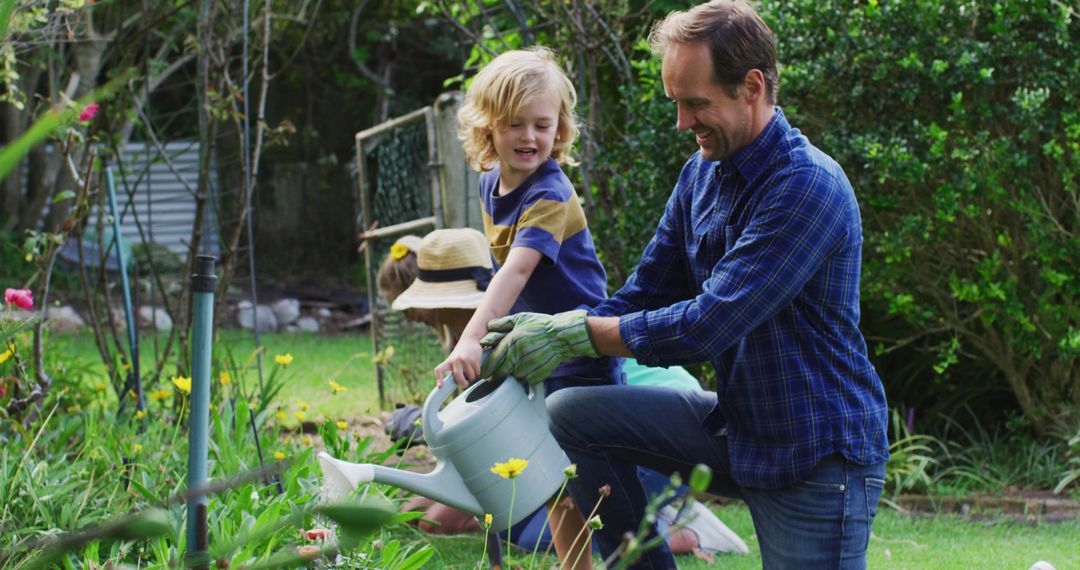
<point x="444" y="484"/>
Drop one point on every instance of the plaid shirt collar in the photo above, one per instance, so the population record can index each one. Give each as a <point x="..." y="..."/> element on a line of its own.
<point x="753" y="160"/>
<point x="749" y="162"/>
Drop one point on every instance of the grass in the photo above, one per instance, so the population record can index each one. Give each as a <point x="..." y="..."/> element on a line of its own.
<point x="900" y="541"/>
<point x="317" y="359"/>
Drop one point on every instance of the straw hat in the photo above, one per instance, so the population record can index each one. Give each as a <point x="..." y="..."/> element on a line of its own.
<point x="454" y="271"/>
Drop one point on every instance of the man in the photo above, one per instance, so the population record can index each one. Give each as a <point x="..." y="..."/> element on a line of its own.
<point x="755" y="268"/>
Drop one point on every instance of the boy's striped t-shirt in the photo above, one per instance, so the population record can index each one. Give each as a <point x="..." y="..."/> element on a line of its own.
<point x="544" y="214"/>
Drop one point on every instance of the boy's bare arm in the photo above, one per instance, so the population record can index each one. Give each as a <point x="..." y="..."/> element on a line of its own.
<point x="502" y="292"/>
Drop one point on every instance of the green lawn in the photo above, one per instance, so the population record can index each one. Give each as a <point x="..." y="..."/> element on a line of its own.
<point x="900" y="541"/>
<point x="317" y="359"/>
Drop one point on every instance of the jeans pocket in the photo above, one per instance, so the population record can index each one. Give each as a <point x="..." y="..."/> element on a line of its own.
<point x="874" y="487"/>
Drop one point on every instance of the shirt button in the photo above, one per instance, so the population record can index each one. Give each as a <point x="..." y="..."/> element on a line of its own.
<point x="842" y="487"/>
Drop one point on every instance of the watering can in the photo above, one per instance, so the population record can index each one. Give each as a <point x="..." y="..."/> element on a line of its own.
<point x="488" y="423"/>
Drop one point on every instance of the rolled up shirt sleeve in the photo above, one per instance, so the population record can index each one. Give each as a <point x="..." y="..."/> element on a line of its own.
<point x="798" y="224"/>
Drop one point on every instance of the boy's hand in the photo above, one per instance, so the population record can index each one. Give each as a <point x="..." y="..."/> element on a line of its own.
<point x="529" y="346"/>
<point x="463" y="363"/>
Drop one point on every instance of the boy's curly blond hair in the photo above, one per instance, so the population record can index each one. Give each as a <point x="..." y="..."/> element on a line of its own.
<point x="511" y="81"/>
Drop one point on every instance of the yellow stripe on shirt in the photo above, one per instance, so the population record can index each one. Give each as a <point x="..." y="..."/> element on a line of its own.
<point x="560" y="219"/>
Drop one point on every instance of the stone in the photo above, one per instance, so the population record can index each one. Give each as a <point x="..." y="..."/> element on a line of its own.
<point x="155" y="317"/>
<point x="64" y="319"/>
<point x="261" y="319"/>
<point x="308" y="324"/>
<point x="286" y="311"/>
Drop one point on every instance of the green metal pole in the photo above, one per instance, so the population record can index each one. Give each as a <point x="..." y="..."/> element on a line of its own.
<point x="203" y="283"/>
<point x="134" y="379"/>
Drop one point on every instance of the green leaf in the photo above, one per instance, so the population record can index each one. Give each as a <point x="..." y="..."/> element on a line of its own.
<point x="700" y="477"/>
<point x="357" y="518"/>
<point x="65" y="195"/>
<point x="7" y="7"/>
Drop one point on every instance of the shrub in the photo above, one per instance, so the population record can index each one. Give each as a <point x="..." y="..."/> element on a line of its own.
<point x="957" y="123"/>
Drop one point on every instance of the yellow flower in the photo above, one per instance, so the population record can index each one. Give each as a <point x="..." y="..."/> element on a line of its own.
<point x="29" y="257"/>
<point x="279" y="456"/>
<point x="133" y="395"/>
<point x="398" y="251"/>
<point x="140" y="414"/>
<point x="512" y="468"/>
<point x="225" y="378"/>
<point x="281" y="416"/>
<point x="182" y="383"/>
<point x="299" y="416"/>
<point x="99" y="387"/>
<point x="384" y="355"/>
<point x="306" y="440"/>
<point x="336" y="388"/>
<point x="342" y="425"/>
<point x="74" y="409"/>
<point x="160" y="394"/>
<point x="126" y="366"/>
<point x="283" y="359"/>
<point x="137" y="448"/>
<point x="487" y="519"/>
<point x="4" y="356"/>
<point x="302" y="405"/>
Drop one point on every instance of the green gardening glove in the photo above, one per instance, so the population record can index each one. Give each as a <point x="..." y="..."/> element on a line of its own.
<point x="529" y="346"/>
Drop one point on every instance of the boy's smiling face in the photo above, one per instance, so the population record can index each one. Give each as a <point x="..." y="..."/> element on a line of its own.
<point x="526" y="143"/>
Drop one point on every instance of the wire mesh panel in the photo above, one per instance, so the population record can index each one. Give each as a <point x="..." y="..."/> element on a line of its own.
<point x="407" y="351"/>
<point x="398" y="187"/>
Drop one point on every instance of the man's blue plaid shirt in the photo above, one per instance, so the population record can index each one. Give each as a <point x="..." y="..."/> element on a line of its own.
<point x="755" y="268"/>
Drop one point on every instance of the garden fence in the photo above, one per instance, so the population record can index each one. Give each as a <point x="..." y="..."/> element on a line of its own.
<point x="411" y="178"/>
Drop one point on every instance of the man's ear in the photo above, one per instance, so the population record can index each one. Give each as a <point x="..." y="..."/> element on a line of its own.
<point x="753" y="85"/>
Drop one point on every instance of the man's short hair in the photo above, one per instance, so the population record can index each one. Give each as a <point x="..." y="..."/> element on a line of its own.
<point x="738" y="39"/>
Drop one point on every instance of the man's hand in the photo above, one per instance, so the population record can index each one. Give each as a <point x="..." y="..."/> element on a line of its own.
<point x="529" y="346"/>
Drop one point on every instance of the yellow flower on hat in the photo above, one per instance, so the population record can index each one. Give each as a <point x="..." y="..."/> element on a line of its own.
<point x="398" y="251"/>
<point x="512" y="468"/>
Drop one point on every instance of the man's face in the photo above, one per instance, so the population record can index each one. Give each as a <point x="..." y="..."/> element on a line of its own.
<point x="721" y="125"/>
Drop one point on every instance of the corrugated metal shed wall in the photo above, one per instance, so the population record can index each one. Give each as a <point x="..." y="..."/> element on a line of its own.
<point x="163" y="194"/>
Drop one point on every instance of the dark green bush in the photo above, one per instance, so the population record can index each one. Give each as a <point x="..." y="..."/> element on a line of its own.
<point x="957" y="123"/>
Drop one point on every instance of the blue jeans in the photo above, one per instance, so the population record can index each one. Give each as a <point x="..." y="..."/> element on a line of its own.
<point x="822" y="521"/>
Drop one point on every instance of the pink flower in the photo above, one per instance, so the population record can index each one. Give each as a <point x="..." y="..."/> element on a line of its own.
<point x="21" y="298"/>
<point x="88" y="112"/>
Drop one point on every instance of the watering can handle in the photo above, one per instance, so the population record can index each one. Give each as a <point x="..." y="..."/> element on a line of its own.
<point x="430" y="414"/>
<point x="432" y="423"/>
